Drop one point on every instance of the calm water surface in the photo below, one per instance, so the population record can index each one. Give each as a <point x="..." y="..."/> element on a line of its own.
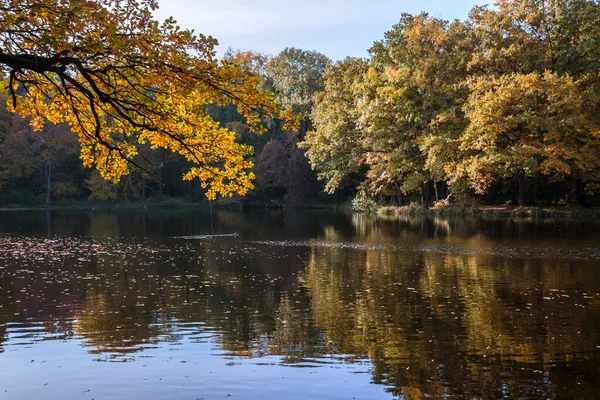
<point x="112" y="305"/>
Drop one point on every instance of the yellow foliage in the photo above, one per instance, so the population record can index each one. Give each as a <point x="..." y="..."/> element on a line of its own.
<point x="120" y="79"/>
<point x="536" y="123"/>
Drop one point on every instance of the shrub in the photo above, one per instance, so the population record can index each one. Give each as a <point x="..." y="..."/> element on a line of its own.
<point x="362" y="202"/>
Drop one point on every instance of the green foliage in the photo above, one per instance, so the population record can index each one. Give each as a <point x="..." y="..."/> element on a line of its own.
<point x="296" y="75"/>
<point x="100" y="189"/>
<point x="334" y="146"/>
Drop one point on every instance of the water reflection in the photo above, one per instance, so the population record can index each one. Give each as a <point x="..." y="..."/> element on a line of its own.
<point x="467" y="308"/>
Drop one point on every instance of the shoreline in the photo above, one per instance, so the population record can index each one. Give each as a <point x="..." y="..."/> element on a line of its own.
<point x="173" y="204"/>
<point x="491" y="212"/>
<point x="566" y="213"/>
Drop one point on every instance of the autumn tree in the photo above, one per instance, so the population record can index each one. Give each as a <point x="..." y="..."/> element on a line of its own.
<point x="335" y="146"/>
<point x="119" y="79"/>
<point x="509" y="95"/>
<point x="399" y="114"/>
<point x="525" y="125"/>
<point x="533" y="104"/>
<point x="252" y="62"/>
<point x="524" y="36"/>
<point x="410" y="106"/>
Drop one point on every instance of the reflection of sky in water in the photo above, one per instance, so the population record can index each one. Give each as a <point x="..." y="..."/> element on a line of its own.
<point x="64" y="370"/>
<point x="296" y="306"/>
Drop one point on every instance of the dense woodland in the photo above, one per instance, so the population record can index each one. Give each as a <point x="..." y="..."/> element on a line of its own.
<point x="503" y="107"/>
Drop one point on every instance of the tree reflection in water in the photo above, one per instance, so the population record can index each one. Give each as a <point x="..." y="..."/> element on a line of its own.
<point x="437" y="307"/>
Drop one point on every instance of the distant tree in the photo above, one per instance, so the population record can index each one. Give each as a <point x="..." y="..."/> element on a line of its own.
<point x="58" y="150"/>
<point x="283" y="173"/>
<point x="41" y="160"/>
<point x="252" y="62"/>
<point x="296" y="75"/>
<point x="271" y="168"/>
<point x="282" y="169"/>
<point x="17" y="155"/>
<point x="100" y="189"/>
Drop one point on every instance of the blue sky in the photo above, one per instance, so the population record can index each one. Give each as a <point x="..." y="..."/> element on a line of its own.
<point x="337" y="28"/>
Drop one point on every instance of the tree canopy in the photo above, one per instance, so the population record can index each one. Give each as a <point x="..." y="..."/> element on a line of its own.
<point x="121" y="79"/>
<point x="510" y="95"/>
<point x="504" y="106"/>
<point x="296" y="75"/>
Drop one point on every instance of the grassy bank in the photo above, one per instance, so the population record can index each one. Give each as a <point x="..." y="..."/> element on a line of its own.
<point x="491" y="212"/>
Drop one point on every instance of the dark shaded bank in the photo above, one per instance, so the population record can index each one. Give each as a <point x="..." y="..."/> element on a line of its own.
<point x="171" y="202"/>
<point x="487" y="212"/>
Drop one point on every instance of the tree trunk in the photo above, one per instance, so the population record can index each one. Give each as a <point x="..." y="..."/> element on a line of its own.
<point x="435" y="188"/>
<point x="580" y="193"/>
<point x="522" y="188"/>
<point x="443" y="190"/>
<point x="425" y="195"/>
<point x="48" y="181"/>
<point x="399" y="195"/>
<point x="48" y="224"/>
<point x="573" y="192"/>
<point x="548" y="192"/>
<point x="160" y="184"/>
<point x="304" y="128"/>
<point x="514" y="200"/>
<point x="143" y="187"/>
<point x="534" y="191"/>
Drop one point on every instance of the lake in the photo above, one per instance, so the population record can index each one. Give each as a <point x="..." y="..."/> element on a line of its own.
<point x="297" y="305"/>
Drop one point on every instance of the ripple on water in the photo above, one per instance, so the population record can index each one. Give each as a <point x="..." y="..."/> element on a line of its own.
<point x="524" y="251"/>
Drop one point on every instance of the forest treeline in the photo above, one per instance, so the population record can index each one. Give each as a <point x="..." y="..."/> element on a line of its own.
<point x="44" y="167"/>
<point x="502" y="107"/>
